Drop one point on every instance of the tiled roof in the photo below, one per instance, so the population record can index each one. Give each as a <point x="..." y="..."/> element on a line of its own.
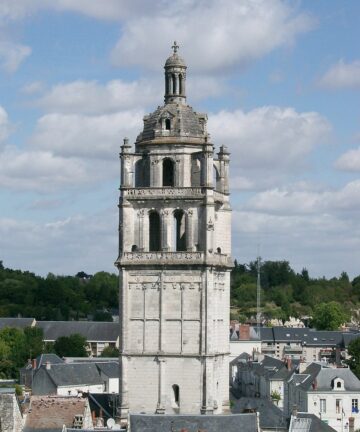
<point x="110" y="369"/>
<point x="49" y="413"/>
<point x="308" y="422"/>
<point x="42" y="359"/>
<point x="72" y="374"/>
<point x="193" y="423"/>
<point x="16" y="322"/>
<point x="271" y="417"/>
<point x="91" y="330"/>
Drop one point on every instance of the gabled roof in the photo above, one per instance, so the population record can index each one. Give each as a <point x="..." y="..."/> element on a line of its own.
<point x="326" y="376"/>
<point x="308" y="422"/>
<point x="271" y="417"/>
<point x="91" y="330"/>
<point x="42" y="359"/>
<point x="307" y="336"/>
<point x="193" y="423"/>
<point x="73" y="374"/>
<point x="50" y="413"/>
<point x="16" y="322"/>
<point x="110" y="369"/>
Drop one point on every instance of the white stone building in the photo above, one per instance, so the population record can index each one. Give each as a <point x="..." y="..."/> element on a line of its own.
<point x="332" y="394"/>
<point x="174" y="261"/>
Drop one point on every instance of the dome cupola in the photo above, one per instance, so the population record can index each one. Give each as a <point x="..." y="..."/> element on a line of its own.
<point x="175" y="77"/>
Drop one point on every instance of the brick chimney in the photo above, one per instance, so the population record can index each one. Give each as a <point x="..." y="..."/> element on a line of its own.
<point x="244" y="332"/>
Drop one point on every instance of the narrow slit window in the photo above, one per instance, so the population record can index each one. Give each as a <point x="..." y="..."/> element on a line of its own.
<point x="154" y="232"/>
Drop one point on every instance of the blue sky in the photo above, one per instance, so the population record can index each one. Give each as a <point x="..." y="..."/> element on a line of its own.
<point x="280" y="82"/>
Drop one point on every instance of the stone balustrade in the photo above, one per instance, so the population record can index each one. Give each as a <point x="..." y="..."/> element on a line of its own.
<point x="164" y="192"/>
<point x="164" y="258"/>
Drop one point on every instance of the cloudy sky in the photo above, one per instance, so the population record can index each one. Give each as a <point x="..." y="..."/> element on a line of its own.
<point x="280" y="81"/>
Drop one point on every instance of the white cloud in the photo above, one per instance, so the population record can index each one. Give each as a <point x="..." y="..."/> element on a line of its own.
<point x="349" y="161"/>
<point x="342" y="75"/>
<point x="71" y="135"/>
<point x="312" y="227"/>
<point x="33" y="87"/>
<point x="240" y="32"/>
<point x="301" y="199"/>
<point x="268" y="138"/>
<point x="91" y="97"/>
<point x="41" y="171"/>
<point x="5" y="126"/>
<point x="12" y="55"/>
<point x="61" y="246"/>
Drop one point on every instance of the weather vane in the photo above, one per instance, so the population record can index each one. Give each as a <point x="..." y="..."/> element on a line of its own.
<point x="175" y="47"/>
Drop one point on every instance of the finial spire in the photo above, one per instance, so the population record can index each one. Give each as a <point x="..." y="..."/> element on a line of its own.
<point x="175" y="47"/>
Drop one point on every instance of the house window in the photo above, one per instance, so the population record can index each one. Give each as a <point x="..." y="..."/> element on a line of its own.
<point x="338" y="384"/>
<point x="322" y="406"/>
<point x="355" y="405"/>
<point x="338" y="406"/>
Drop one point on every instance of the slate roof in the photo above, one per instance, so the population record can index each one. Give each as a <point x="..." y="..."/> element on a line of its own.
<point x="50" y="413"/>
<point x="193" y="423"/>
<point x="185" y="122"/>
<point x="326" y="375"/>
<point x="307" y="336"/>
<point x="42" y="359"/>
<point x="91" y="330"/>
<point x="16" y="322"/>
<point x="308" y="422"/>
<point x="72" y="374"/>
<point x="271" y="417"/>
<point x="110" y="369"/>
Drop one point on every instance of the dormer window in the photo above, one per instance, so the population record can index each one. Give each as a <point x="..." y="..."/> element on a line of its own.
<point x="167" y="124"/>
<point x="338" y="384"/>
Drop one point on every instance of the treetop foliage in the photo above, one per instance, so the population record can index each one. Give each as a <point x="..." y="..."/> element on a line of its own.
<point x="285" y="292"/>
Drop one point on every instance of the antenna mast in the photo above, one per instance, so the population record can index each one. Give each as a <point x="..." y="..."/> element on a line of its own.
<point x="258" y="296"/>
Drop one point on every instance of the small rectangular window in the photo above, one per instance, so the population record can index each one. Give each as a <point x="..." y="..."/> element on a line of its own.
<point x="338" y="406"/>
<point x="322" y="406"/>
<point x="355" y="405"/>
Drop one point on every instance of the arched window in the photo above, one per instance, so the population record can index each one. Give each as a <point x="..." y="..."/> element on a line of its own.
<point x="167" y="124"/>
<point x="195" y="171"/>
<point x="218" y="250"/>
<point x="180" y="230"/>
<point x="134" y="248"/>
<point x="168" y="172"/>
<point x="176" y="395"/>
<point x="174" y="83"/>
<point x="180" y="84"/>
<point x="142" y="173"/>
<point x="216" y="178"/>
<point x="154" y="232"/>
<point x="167" y="84"/>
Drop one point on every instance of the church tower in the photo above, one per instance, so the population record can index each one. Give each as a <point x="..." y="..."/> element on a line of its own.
<point x="174" y="261"/>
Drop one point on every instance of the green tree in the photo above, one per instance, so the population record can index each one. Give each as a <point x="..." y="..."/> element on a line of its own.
<point x="71" y="346"/>
<point x="329" y="316"/>
<point x="354" y="352"/>
<point x="110" y="352"/>
<point x="34" y="344"/>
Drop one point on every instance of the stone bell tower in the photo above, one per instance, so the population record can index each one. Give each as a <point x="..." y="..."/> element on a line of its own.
<point x="174" y="261"/>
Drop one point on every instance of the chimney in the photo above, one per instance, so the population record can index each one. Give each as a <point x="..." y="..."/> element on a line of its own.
<point x="47" y="365"/>
<point x="244" y="332"/>
<point x="314" y="385"/>
<point x="288" y="363"/>
<point x="294" y="411"/>
<point x="351" y="424"/>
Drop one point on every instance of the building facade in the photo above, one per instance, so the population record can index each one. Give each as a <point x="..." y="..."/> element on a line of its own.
<point x="174" y="261"/>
